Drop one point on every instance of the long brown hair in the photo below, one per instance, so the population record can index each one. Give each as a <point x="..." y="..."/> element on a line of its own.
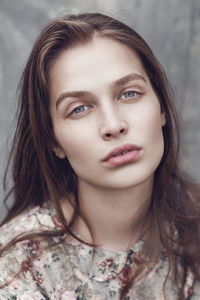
<point x="39" y="175"/>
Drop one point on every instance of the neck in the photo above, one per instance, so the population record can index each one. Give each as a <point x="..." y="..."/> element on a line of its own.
<point x="118" y="217"/>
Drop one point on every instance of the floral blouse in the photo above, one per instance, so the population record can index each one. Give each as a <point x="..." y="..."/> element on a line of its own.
<point x="66" y="271"/>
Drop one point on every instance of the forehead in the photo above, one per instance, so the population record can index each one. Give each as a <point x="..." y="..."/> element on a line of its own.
<point x="101" y="60"/>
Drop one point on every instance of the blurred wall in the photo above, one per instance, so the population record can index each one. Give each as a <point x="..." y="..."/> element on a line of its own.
<point x="171" y="27"/>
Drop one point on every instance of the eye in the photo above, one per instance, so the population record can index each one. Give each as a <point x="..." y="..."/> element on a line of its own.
<point x="129" y="94"/>
<point x="79" y="109"/>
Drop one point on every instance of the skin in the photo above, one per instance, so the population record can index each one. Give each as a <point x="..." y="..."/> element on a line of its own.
<point x="107" y="115"/>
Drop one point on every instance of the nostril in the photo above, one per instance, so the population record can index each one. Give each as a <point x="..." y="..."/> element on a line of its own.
<point x="122" y="130"/>
<point x="108" y="135"/>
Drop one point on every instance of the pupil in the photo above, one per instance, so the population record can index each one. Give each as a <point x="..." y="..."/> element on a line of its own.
<point x="79" y="109"/>
<point x="128" y="94"/>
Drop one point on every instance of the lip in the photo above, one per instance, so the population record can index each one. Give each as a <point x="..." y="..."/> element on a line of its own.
<point x="133" y="154"/>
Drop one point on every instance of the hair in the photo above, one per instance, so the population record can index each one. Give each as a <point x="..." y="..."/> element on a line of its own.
<point x="39" y="175"/>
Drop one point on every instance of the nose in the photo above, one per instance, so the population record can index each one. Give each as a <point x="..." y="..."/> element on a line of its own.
<point x="113" y="124"/>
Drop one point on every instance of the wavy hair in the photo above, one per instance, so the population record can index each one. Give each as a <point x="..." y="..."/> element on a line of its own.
<point x="39" y="175"/>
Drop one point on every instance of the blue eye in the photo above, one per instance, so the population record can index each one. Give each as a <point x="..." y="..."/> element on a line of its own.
<point x="129" y="94"/>
<point x="79" y="109"/>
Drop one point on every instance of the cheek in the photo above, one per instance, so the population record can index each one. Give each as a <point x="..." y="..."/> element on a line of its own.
<point x="75" y="139"/>
<point x="150" y="125"/>
<point x="155" y="140"/>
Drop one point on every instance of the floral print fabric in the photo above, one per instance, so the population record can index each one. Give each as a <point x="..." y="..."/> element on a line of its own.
<point x="70" y="270"/>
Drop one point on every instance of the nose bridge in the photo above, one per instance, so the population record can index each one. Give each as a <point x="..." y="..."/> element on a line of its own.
<point x="110" y="114"/>
<point x="113" y="123"/>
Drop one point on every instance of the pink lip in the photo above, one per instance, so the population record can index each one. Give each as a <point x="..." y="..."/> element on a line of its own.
<point x="132" y="155"/>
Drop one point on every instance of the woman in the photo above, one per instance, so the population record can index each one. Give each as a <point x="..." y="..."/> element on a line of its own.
<point x="101" y="210"/>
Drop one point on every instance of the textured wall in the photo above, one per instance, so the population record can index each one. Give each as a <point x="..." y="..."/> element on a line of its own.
<point x="171" y="27"/>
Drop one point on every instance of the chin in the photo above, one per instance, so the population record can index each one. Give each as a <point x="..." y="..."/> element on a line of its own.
<point x="124" y="181"/>
<point x="121" y="185"/>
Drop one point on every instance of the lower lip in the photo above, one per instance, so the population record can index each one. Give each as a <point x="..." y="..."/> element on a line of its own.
<point x="126" y="158"/>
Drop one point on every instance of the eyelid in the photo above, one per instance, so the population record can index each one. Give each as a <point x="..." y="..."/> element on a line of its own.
<point x="72" y="111"/>
<point x="132" y="90"/>
<point x="68" y="106"/>
<point x="71" y="114"/>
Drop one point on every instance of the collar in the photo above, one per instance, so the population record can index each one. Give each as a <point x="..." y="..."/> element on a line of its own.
<point x="99" y="264"/>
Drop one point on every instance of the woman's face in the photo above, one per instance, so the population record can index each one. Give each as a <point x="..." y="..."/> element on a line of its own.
<point x="106" y="116"/>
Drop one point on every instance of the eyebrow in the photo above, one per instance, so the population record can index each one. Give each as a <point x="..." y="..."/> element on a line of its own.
<point x="82" y="94"/>
<point x="127" y="78"/>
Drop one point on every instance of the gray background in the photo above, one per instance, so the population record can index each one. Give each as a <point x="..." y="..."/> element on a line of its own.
<point x="172" y="28"/>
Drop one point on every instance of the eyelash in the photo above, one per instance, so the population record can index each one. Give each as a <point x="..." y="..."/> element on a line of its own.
<point x="130" y="91"/>
<point x="129" y="97"/>
<point x="78" y="107"/>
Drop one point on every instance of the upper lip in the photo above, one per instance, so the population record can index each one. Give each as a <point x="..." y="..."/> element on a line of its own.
<point x="126" y="147"/>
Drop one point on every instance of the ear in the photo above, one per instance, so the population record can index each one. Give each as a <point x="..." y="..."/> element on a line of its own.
<point x="59" y="152"/>
<point x="163" y="119"/>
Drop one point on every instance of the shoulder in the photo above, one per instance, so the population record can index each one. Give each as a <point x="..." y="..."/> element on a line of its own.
<point x="31" y="220"/>
<point x="25" y="275"/>
<point x="17" y="255"/>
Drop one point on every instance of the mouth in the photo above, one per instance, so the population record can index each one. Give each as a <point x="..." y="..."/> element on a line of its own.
<point x="123" y="155"/>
